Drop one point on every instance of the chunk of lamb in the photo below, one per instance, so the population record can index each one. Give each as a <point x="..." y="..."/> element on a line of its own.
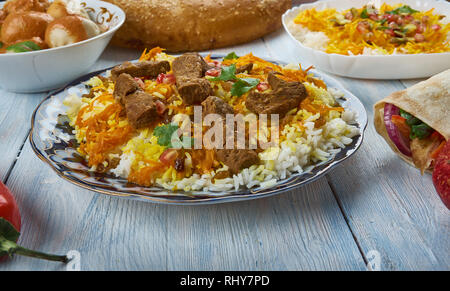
<point x="191" y="65"/>
<point x="193" y="90"/>
<point x="245" y="68"/>
<point x="189" y="70"/>
<point x="237" y="159"/>
<point x="149" y="69"/>
<point x="125" y="85"/>
<point x="140" y="109"/>
<point x="216" y="105"/>
<point x="284" y="97"/>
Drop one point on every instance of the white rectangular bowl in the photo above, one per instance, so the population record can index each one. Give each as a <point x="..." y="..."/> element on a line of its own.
<point x="373" y="66"/>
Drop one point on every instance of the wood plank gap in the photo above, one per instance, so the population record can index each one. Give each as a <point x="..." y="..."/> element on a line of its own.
<point x="8" y="173"/>
<point x="347" y="221"/>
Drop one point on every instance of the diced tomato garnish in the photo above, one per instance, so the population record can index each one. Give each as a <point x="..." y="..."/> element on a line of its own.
<point x="421" y="28"/>
<point x="418" y="37"/>
<point x="262" y="86"/>
<point x="140" y="82"/>
<point x="165" y="79"/>
<point x="215" y="64"/>
<point x="408" y="18"/>
<point x="168" y="157"/>
<point x="437" y="135"/>
<point x="400" y="20"/>
<point x="363" y="27"/>
<point x="349" y="15"/>
<point x="435" y="27"/>
<point x="214" y="72"/>
<point x="374" y="17"/>
<point x="390" y="31"/>
<point x="160" y="107"/>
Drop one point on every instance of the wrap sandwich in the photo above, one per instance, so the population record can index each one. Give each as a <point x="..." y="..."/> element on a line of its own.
<point x="415" y="122"/>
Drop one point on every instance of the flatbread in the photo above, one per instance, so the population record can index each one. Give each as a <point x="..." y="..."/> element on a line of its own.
<point x="428" y="100"/>
<point x="193" y="25"/>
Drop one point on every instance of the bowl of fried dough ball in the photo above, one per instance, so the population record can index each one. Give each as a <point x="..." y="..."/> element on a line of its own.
<point x="44" y="45"/>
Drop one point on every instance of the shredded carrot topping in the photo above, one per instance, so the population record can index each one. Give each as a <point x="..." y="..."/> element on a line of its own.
<point x="103" y="133"/>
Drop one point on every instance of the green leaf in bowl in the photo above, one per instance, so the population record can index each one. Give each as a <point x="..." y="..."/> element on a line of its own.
<point x="21" y="47"/>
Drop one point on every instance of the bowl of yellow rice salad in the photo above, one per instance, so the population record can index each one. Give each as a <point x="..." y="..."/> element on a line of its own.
<point x="374" y="40"/>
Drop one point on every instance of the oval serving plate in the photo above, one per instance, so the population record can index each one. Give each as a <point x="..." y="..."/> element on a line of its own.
<point x="406" y="66"/>
<point x="52" y="140"/>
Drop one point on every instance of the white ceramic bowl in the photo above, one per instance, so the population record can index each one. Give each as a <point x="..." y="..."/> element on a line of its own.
<point x="373" y="66"/>
<point x="48" y="69"/>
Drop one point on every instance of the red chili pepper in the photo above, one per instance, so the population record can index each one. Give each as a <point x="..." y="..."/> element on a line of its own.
<point x="10" y="224"/>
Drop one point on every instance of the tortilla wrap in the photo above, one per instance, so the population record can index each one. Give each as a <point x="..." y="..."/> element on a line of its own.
<point x="429" y="101"/>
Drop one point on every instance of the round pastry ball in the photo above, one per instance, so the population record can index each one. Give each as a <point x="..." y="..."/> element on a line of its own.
<point x="14" y="6"/>
<point x="70" y="29"/>
<point x="61" y="8"/>
<point x="24" y="25"/>
<point x="180" y="25"/>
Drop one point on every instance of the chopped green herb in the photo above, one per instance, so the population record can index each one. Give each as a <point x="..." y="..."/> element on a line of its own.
<point x="242" y="86"/>
<point x="227" y="74"/>
<point x="231" y="56"/>
<point x="382" y="21"/>
<point x="21" y="47"/>
<point x="383" y="27"/>
<point x="405" y="9"/>
<point x="164" y="134"/>
<point x="364" y="13"/>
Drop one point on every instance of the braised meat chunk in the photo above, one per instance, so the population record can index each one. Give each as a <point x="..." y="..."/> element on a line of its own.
<point x="149" y="69"/>
<point x="216" y="105"/>
<point x="245" y="68"/>
<point x="237" y="159"/>
<point x="193" y="90"/>
<point x="284" y="97"/>
<point x="140" y="108"/>
<point x="190" y="65"/>
<point x="125" y="85"/>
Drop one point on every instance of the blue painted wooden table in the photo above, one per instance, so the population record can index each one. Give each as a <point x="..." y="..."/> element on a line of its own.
<point x="373" y="208"/>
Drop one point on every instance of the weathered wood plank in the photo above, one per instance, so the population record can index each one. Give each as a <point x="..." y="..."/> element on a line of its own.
<point x="299" y="230"/>
<point x="15" y="115"/>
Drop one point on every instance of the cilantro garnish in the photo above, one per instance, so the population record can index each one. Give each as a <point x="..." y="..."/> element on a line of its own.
<point x="231" y="56"/>
<point x="242" y="86"/>
<point x="21" y="47"/>
<point x="226" y="74"/>
<point x="165" y="134"/>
